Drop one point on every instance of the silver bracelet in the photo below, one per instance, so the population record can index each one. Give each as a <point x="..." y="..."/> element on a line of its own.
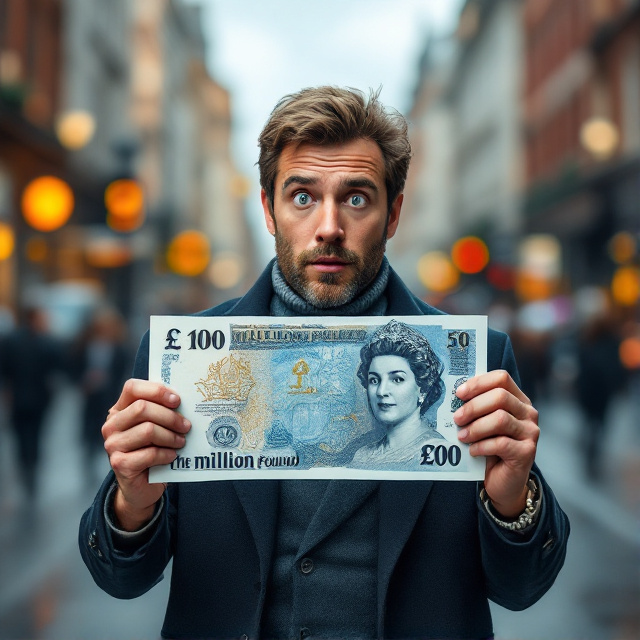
<point x="527" y="518"/>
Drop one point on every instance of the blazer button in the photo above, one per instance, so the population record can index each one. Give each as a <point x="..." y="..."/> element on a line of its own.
<point x="304" y="633"/>
<point x="306" y="565"/>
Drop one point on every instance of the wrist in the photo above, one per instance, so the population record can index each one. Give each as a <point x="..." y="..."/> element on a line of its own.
<point x="129" y="517"/>
<point x="511" y="510"/>
<point x="525" y="520"/>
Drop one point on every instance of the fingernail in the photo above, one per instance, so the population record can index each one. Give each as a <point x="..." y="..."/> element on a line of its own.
<point x="181" y="441"/>
<point x="461" y="389"/>
<point x="458" y="414"/>
<point x="187" y="424"/>
<point x="173" y="398"/>
<point x="463" y="434"/>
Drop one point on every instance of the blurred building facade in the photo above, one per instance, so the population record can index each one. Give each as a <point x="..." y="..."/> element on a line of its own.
<point x="92" y="93"/>
<point x="540" y="101"/>
<point x="582" y="106"/>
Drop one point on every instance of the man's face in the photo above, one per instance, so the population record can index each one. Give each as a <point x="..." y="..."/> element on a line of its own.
<point x="330" y="219"/>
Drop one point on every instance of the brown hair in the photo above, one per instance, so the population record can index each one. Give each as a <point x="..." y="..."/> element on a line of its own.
<point x="333" y="115"/>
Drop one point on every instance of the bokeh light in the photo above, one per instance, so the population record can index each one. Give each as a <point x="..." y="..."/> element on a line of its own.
<point x="7" y="241"/>
<point x="630" y="352"/>
<point x="501" y="277"/>
<point x="124" y="199"/>
<point x="108" y="253"/>
<point x="226" y="270"/>
<point x="625" y="286"/>
<point x="188" y="253"/>
<point x="470" y="255"/>
<point x="599" y="137"/>
<point x="622" y="247"/>
<point x="47" y="203"/>
<point x="125" y="225"/>
<point x="437" y="273"/>
<point x="75" y="129"/>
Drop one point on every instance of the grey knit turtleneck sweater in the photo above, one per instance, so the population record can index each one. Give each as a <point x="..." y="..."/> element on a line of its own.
<point x="370" y="302"/>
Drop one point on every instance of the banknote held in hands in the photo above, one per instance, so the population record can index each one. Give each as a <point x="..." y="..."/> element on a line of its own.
<point x="319" y="398"/>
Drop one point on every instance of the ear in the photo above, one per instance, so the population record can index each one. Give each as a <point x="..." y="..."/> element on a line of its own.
<point x="394" y="216"/>
<point x="268" y="216"/>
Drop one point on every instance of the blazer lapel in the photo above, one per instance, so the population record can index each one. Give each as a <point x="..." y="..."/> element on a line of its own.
<point x="341" y="499"/>
<point x="400" y="505"/>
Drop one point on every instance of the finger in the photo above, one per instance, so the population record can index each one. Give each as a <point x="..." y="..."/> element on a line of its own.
<point x="135" y="389"/>
<point x="495" y="399"/>
<point x="132" y="464"/>
<point x="498" y="379"/>
<point x="499" y="423"/>
<point x="141" y="411"/>
<point x="143" y="435"/>
<point x="520" y="453"/>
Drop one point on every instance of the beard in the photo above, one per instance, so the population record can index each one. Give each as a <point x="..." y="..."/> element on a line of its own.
<point x="330" y="289"/>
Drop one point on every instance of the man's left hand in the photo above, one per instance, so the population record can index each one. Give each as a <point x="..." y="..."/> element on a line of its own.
<point x="499" y="422"/>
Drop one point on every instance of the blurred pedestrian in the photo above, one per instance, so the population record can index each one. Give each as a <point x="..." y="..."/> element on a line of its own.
<point x="102" y="363"/>
<point x="30" y="360"/>
<point x="600" y="376"/>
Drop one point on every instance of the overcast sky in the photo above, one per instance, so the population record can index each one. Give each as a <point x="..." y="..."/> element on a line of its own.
<point x="261" y="50"/>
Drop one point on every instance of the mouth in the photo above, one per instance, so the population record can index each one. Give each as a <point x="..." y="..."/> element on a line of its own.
<point x="384" y="406"/>
<point x="329" y="264"/>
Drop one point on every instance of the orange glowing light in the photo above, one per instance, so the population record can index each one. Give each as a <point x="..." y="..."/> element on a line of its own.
<point x="625" y="286"/>
<point x="125" y="225"/>
<point x="470" y="254"/>
<point x="188" y="253"/>
<point x="532" y="288"/>
<point x="622" y="247"/>
<point x="47" y="203"/>
<point x="630" y="353"/>
<point x="437" y="273"/>
<point x="7" y="241"/>
<point x="124" y="199"/>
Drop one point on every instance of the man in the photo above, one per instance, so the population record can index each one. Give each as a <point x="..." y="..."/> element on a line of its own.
<point x="330" y="559"/>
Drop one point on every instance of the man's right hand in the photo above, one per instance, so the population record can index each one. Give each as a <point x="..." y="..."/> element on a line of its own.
<point x="142" y="430"/>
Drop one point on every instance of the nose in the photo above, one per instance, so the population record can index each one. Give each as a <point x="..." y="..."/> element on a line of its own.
<point x="329" y="229"/>
<point x="382" y="391"/>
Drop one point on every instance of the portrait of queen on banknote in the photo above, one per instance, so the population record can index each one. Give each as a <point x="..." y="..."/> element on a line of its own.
<point x="402" y="376"/>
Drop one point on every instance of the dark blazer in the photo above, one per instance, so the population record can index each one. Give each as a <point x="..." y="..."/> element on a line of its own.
<point x="440" y="555"/>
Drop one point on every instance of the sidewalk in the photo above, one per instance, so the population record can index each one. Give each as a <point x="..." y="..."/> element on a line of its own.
<point x="614" y="502"/>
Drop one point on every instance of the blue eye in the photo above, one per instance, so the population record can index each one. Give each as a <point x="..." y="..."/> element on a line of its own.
<point x="357" y="201"/>
<point x="302" y="199"/>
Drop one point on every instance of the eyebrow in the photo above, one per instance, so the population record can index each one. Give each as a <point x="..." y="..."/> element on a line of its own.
<point x="360" y="183"/>
<point x="351" y="183"/>
<point x="375" y="373"/>
<point x="298" y="180"/>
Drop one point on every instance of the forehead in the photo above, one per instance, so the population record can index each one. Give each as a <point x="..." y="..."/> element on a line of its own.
<point x="360" y="157"/>
<point x="380" y="364"/>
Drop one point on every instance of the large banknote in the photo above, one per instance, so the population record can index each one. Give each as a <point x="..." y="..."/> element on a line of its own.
<point x="324" y="397"/>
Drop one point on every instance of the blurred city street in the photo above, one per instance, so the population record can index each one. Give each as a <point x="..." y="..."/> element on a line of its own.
<point x="46" y="592"/>
<point x="129" y="188"/>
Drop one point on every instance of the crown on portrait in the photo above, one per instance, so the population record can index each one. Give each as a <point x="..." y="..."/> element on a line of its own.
<point x="401" y="334"/>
